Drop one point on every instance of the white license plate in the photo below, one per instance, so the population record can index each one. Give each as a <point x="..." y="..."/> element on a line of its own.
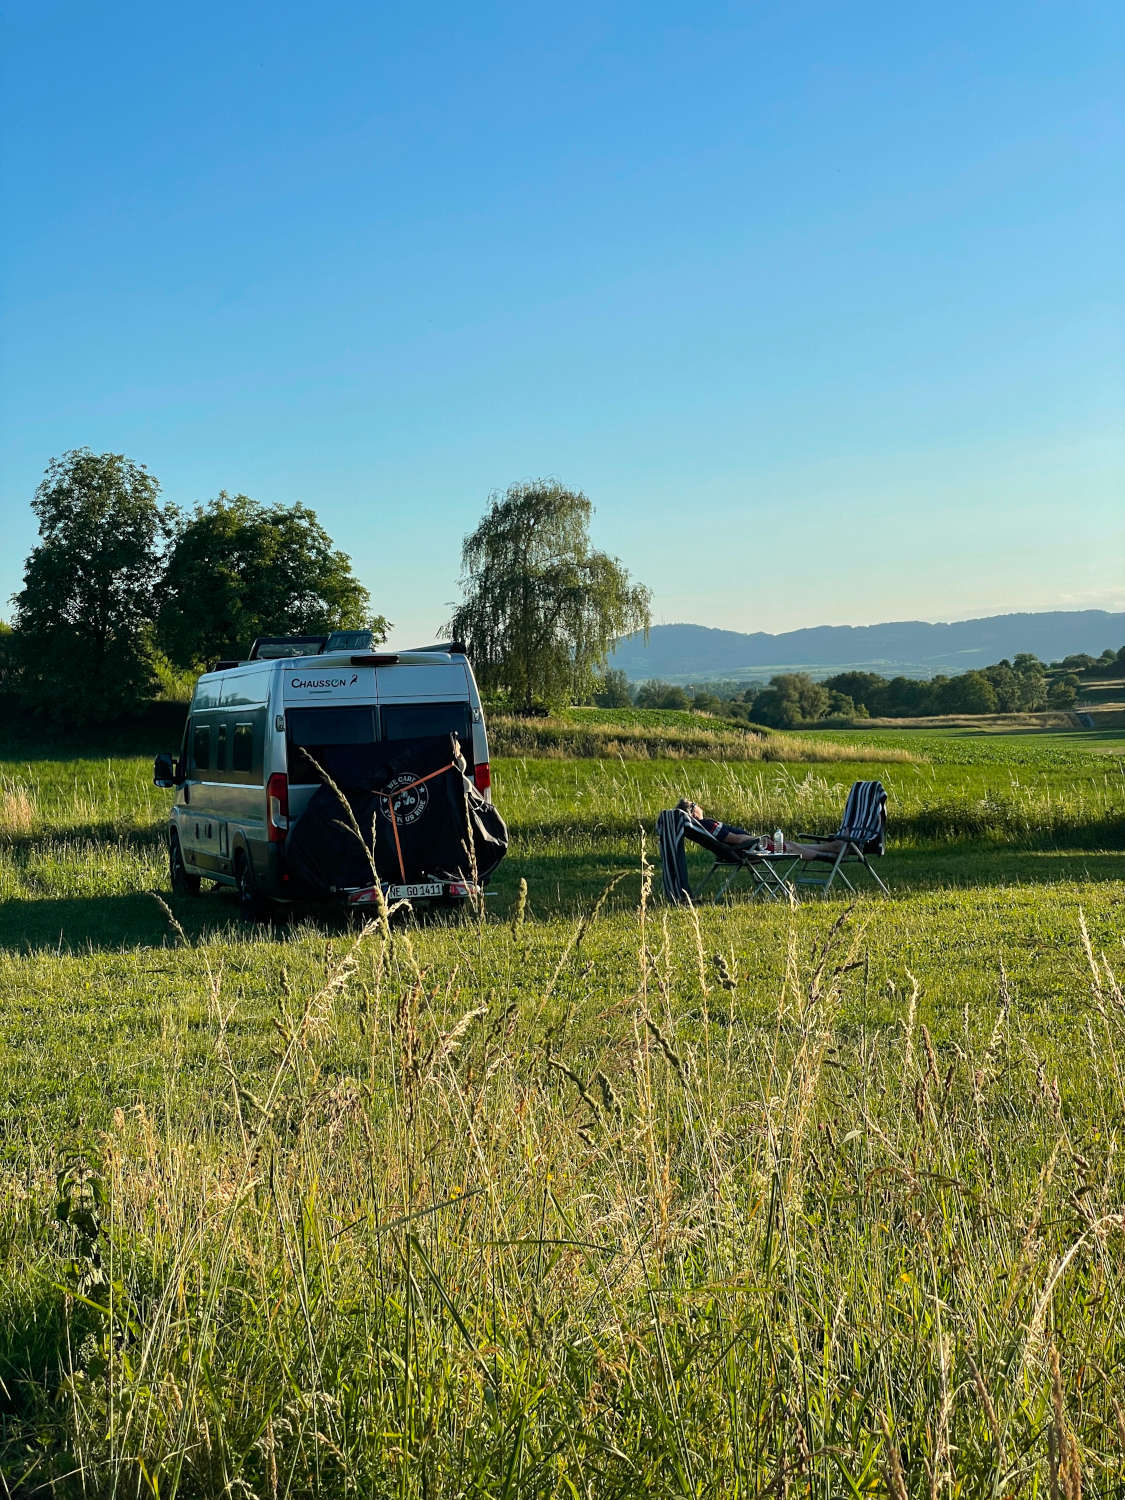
<point x="409" y="892"/>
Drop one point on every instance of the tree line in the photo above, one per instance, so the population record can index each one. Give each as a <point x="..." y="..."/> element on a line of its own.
<point x="1023" y="685"/>
<point x="124" y="591"/>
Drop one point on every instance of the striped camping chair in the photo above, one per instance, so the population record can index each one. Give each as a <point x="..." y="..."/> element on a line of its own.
<point x="862" y="836"/>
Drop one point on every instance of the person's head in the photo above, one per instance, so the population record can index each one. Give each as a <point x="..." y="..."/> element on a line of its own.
<point x="693" y="809"/>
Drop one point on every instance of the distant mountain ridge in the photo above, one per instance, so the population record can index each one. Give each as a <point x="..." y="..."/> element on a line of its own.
<point x="910" y="648"/>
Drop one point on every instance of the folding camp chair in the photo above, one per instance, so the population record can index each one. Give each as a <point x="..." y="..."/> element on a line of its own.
<point x="767" y="871"/>
<point x="862" y="835"/>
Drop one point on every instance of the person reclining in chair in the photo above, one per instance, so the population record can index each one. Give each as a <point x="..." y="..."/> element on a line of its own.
<point x="726" y="833"/>
<point x="739" y="838"/>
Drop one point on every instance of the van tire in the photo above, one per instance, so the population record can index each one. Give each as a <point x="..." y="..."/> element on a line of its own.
<point x="181" y="882"/>
<point x="252" y="905"/>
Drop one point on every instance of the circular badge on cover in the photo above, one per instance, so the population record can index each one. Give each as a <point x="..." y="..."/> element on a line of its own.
<point x="409" y="804"/>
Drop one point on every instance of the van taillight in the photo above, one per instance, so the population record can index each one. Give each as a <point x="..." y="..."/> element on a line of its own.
<point x="277" y="807"/>
<point x="482" y="776"/>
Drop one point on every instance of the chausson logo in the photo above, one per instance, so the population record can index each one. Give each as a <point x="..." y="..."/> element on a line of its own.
<point x="409" y="804"/>
<point x="323" y="682"/>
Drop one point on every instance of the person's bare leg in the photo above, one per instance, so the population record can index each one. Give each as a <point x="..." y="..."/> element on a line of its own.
<point x="814" y="851"/>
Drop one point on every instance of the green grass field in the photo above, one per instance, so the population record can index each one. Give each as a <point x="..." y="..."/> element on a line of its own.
<point x="589" y="1196"/>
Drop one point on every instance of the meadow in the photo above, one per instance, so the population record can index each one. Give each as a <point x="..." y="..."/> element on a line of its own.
<point x="584" y="1196"/>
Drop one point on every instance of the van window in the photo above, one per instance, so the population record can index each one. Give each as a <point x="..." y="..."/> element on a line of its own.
<point x="221" y="748"/>
<point x="243" y="748"/>
<point x="246" y="687"/>
<point x="201" y="747"/>
<point x="413" y="721"/>
<point x="319" y="732"/>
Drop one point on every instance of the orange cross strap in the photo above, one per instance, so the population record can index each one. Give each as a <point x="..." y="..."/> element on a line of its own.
<point x="390" y="796"/>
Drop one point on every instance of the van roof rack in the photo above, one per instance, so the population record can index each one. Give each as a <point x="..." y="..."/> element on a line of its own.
<point x="451" y="648"/>
<point x="278" y="647"/>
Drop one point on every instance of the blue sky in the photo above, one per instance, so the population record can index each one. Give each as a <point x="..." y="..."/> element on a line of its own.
<point x="821" y="305"/>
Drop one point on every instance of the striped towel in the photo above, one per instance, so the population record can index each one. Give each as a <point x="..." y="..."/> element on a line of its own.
<point x="670" y="828"/>
<point x="865" y="817"/>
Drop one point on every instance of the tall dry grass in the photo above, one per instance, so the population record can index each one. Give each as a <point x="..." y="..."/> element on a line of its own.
<point x="19" y="809"/>
<point x="628" y="1231"/>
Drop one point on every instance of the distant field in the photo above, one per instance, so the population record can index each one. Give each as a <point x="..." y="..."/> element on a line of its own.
<point x="1108" y="691"/>
<point x="661" y="734"/>
<point x="979" y="745"/>
<point x="982" y="723"/>
<point x="590" y="1196"/>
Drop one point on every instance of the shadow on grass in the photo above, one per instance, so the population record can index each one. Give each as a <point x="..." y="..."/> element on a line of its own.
<point x="134" y="840"/>
<point x="558" y="886"/>
<point x="77" y="924"/>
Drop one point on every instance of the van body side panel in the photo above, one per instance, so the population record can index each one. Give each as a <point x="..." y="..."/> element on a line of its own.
<point x="191" y="805"/>
<point x="221" y="806"/>
<point x="246" y="707"/>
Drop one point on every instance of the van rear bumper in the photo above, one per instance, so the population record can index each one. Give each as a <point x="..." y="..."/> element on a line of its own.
<point x="422" y="890"/>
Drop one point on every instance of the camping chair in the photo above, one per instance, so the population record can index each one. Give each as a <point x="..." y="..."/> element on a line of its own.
<point x="759" y="864"/>
<point x="862" y="834"/>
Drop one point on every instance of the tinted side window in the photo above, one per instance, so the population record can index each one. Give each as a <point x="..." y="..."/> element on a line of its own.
<point x="201" y="747"/>
<point x="221" y="748"/>
<point x="243" y="748"/>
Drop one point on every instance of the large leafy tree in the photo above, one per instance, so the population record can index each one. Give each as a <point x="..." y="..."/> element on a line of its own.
<point x="541" y="606"/>
<point x="239" y="569"/>
<point x="84" y="613"/>
<point x="792" y="698"/>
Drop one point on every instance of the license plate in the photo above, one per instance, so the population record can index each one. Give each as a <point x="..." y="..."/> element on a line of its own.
<point x="370" y="896"/>
<point x="409" y="892"/>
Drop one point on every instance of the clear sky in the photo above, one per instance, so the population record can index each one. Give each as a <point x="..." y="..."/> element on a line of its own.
<point x="822" y="305"/>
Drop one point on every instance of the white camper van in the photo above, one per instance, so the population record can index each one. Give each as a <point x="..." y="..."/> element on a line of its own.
<point x="242" y="779"/>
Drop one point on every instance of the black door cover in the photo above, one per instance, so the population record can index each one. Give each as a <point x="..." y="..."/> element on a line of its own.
<point x="398" y="812"/>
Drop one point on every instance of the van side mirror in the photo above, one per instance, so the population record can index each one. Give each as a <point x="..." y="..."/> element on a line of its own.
<point x="164" y="771"/>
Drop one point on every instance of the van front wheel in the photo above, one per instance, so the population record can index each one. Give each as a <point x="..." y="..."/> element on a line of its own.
<point x="181" y="882"/>
<point x="251" y="902"/>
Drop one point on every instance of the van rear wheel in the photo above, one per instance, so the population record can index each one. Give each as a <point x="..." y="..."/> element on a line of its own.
<point x="252" y="904"/>
<point x="181" y="882"/>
